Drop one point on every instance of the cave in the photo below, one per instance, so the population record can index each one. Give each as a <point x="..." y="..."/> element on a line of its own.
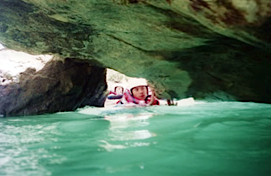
<point x="217" y="50"/>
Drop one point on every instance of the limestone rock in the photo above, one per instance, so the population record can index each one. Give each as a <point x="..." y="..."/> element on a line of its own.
<point x="198" y="48"/>
<point x="59" y="86"/>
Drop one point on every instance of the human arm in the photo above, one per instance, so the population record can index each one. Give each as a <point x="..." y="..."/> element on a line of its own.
<point x="114" y="97"/>
<point x="152" y="96"/>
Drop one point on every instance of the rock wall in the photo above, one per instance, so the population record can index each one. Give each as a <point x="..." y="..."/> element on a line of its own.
<point x="206" y="49"/>
<point x="59" y="86"/>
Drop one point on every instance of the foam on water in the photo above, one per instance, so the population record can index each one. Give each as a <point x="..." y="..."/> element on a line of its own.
<point x="215" y="138"/>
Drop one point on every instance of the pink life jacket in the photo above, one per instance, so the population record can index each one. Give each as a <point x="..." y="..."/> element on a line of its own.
<point x="131" y="99"/>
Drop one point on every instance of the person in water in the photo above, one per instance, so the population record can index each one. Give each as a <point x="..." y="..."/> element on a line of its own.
<point x="137" y="93"/>
<point x="117" y="93"/>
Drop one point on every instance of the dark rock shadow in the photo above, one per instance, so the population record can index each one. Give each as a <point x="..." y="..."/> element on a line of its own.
<point x="223" y="65"/>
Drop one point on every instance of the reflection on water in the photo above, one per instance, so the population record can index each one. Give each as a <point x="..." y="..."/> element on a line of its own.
<point x="122" y="129"/>
<point x="219" y="138"/>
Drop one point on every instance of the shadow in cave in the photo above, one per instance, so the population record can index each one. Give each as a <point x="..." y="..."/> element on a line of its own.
<point x="226" y="69"/>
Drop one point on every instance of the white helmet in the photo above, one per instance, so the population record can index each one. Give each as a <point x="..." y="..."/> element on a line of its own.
<point x="134" y="82"/>
<point x="117" y="85"/>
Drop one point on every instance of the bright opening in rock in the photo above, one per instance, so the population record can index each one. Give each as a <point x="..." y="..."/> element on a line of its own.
<point x="1" y="46"/>
<point x="12" y="63"/>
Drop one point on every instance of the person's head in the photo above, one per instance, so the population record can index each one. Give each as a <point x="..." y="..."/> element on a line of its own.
<point x="138" y="88"/>
<point x="140" y="92"/>
<point x="119" y="90"/>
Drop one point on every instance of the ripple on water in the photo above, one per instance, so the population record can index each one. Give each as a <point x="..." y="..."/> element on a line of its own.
<point x="218" y="138"/>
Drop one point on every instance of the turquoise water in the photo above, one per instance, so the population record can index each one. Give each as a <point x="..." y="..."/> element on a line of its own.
<point x="204" y="139"/>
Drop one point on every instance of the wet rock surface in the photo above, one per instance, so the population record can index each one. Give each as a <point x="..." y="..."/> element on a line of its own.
<point x="205" y="49"/>
<point x="59" y="86"/>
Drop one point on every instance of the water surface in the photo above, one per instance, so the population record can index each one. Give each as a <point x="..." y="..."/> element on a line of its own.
<point x="218" y="138"/>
